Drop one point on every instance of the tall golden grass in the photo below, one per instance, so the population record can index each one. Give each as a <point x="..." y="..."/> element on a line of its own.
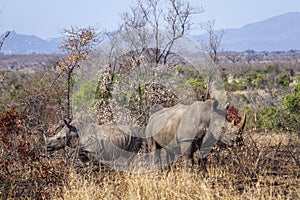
<point x="266" y="167"/>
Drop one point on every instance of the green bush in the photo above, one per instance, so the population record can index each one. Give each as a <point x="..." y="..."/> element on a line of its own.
<point x="272" y="68"/>
<point x="290" y="71"/>
<point x="236" y="85"/>
<point x="283" y="79"/>
<point x="199" y="86"/>
<point x="292" y="101"/>
<point x="87" y="94"/>
<point x="257" y="79"/>
<point x="272" y="117"/>
<point x="285" y="115"/>
<point x="180" y="70"/>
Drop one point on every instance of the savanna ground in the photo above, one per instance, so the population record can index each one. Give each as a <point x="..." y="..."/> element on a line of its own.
<point x="265" y="167"/>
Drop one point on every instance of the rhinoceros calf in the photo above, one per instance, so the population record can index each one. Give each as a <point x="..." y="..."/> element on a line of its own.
<point x="106" y="143"/>
<point x="182" y="129"/>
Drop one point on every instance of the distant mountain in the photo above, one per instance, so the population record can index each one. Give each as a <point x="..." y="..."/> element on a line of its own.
<point x="29" y="44"/>
<point x="279" y="33"/>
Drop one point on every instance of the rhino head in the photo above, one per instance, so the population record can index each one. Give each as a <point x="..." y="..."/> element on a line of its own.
<point x="231" y="133"/>
<point x="63" y="138"/>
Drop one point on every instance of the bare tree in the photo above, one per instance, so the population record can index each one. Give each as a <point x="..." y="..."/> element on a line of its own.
<point x="6" y="34"/>
<point x="144" y="41"/>
<point x="250" y="55"/>
<point x="233" y="57"/>
<point x="158" y="27"/>
<point x="214" y="42"/>
<point x="77" y="45"/>
<point x="2" y="77"/>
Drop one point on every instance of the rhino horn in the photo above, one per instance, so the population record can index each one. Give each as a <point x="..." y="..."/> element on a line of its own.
<point x="233" y="122"/>
<point x="241" y="125"/>
<point x="226" y="106"/>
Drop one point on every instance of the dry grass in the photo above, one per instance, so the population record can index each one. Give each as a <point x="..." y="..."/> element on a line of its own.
<point x="264" y="168"/>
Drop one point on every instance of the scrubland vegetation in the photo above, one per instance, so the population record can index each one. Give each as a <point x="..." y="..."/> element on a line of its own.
<point x="35" y="100"/>
<point x="265" y="167"/>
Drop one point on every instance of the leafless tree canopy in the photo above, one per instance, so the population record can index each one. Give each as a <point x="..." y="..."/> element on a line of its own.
<point x="144" y="41"/>
<point x="6" y="34"/>
<point x="213" y="44"/>
<point x="148" y="19"/>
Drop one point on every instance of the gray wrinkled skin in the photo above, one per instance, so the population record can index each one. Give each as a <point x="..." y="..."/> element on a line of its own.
<point x="105" y="143"/>
<point x="179" y="130"/>
<point x="182" y="129"/>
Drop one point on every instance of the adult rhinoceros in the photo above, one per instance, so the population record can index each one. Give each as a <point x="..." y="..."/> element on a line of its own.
<point x="105" y="143"/>
<point x="182" y="129"/>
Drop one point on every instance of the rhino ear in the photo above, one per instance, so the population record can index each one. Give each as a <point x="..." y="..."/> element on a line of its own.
<point x="66" y="122"/>
<point x="73" y="132"/>
<point x="215" y="104"/>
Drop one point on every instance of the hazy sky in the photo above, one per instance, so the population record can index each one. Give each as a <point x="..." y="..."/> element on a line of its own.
<point x="46" y="18"/>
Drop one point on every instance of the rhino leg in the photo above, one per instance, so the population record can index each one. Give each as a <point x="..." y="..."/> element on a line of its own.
<point x="202" y="164"/>
<point x="154" y="153"/>
<point x="158" y="159"/>
<point x="170" y="157"/>
<point x="187" y="154"/>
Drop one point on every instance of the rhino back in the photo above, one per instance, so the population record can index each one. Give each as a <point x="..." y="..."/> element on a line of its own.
<point x="97" y="139"/>
<point x="163" y="125"/>
<point x="194" y="121"/>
